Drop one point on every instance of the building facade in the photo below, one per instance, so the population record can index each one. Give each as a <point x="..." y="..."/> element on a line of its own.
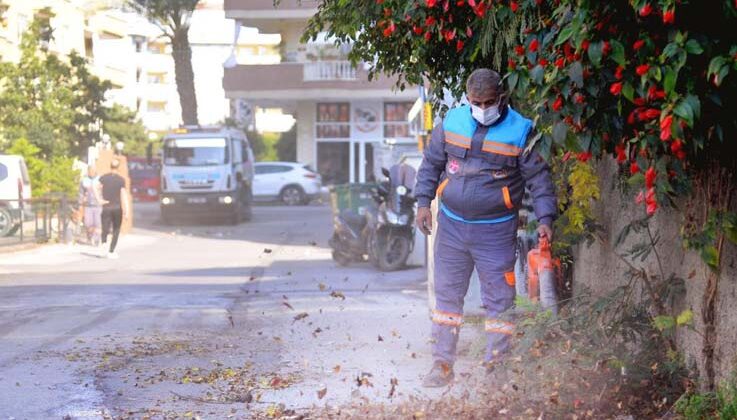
<point x="346" y="124"/>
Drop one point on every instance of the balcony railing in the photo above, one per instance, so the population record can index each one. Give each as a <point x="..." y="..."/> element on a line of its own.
<point x="328" y="71"/>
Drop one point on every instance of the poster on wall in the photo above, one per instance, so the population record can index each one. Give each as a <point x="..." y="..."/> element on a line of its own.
<point x="366" y="121"/>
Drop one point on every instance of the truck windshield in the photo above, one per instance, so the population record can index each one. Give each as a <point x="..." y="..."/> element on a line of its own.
<point x="196" y="151"/>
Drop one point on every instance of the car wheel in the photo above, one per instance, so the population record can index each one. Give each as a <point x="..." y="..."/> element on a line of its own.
<point x="7" y="225"/>
<point x="292" y="195"/>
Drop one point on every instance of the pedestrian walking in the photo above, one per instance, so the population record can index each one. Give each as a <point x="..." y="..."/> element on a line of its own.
<point x="115" y="210"/>
<point x="477" y="165"/>
<point x="90" y="199"/>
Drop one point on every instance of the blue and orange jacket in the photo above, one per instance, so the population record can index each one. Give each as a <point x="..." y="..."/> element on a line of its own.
<point x="480" y="172"/>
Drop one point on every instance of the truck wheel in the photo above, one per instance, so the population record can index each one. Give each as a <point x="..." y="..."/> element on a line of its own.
<point x="7" y="225"/>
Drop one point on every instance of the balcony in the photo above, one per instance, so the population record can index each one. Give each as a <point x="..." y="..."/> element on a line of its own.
<point x="307" y="81"/>
<point x="269" y="19"/>
<point x="323" y="71"/>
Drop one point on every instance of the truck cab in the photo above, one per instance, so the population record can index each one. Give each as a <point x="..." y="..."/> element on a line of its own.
<point x="15" y="188"/>
<point x="206" y="173"/>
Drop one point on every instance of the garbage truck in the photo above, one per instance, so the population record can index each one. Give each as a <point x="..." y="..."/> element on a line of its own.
<point x="206" y="174"/>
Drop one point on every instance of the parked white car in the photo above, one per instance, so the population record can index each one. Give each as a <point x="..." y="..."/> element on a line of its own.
<point x="14" y="184"/>
<point x="290" y="182"/>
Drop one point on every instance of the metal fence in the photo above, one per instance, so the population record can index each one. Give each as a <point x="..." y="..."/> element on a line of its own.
<point x="52" y="218"/>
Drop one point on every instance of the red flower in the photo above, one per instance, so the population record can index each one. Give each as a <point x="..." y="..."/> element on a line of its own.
<point x="649" y="114"/>
<point x="646" y="10"/>
<point x="469" y="32"/>
<point x="472" y="3"/>
<point x="616" y="88"/>
<point x="665" y="125"/>
<point x="642" y="69"/>
<point x="651" y="202"/>
<point x="653" y="93"/>
<point x="640" y="198"/>
<point x="431" y="3"/>
<point x="585" y="44"/>
<point x="560" y="62"/>
<point x="669" y="16"/>
<point x="639" y="101"/>
<point x="428" y="36"/>
<point x="511" y="64"/>
<point x="519" y="50"/>
<point x="634" y="168"/>
<point x="618" y="72"/>
<point x="606" y="48"/>
<point x="449" y="35"/>
<point x="459" y="45"/>
<point x="621" y="155"/>
<point x="417" y="30"/>
<point x="460" y="3"/>
<point x="631" y="118"/>
<point x="539" y="2"/>
<point x="650" y="176"/>
<point x="583" y="156"/>
<point x="514" y="6"/>
<point x="676" y="146"/>
<point x="379" y="1"/>
<point x="533" y="45"/>
<point x="430" y="21"/>
<point x="681" y="155"/>
<point x="579" y="99"/>
<point x="389" y="29"/>
<point x="638" y="44"/>
<point x="543" y="62"/>
<point x="566" y="156"/>
<point x="558" y="104"/>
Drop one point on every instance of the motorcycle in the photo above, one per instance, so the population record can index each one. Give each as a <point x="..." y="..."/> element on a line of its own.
<point x="391" y="238"/>
<point x="352" y="230"/>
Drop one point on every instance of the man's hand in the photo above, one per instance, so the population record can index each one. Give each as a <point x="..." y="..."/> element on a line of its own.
<point x="545" y="231"/>
<point x="424" y="220"/>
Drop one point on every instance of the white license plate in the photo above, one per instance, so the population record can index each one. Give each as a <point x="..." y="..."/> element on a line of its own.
<point x="197" y="200"/>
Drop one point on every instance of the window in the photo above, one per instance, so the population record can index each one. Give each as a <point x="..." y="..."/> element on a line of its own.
<point x="237" y="151"/>
<point x="157" y="48"/>
<point x="138" y="43"/>
<point x="156" y="106"/>
<point x="156" y="78"/>
<point x="395" y="119"/>
<point x="333" y="121"/>
<point x="272" y="169"/>
<point x="138" y="75"/>
<point x="3" y="172"/>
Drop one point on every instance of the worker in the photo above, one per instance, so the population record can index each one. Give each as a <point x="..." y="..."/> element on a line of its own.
<point x="478" y="164"/>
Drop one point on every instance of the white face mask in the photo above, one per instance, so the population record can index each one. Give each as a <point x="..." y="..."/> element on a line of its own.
<point x="485" y="116"/>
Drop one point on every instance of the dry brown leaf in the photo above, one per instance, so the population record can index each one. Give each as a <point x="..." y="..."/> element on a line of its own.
<point x="336" y="369"/>
<point x="321" y="393"/>
<point x="322" y="287"/>
<point x="288" y="305"/>
<point x="337" y="294"/>
<point x="300" y="316"/>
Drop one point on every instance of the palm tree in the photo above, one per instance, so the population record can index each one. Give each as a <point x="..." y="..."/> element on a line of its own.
<point x="173" y="18"/>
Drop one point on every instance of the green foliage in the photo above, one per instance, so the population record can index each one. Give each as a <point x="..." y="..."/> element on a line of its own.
<point x="47" y="175"/>
<point x="56" y="104"/>
<point x="121" y="124"/>
<point x="721" y="404"/>
<point x="696" y="406"/>
<point x="704" y="240"/>
<point x="286" y="147"/>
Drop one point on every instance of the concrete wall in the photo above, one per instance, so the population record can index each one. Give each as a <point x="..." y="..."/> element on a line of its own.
<point x="597" y="267"/>
<point x="306" y="115"/>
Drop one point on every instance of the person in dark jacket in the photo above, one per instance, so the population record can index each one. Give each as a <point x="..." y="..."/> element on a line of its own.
<point x="477" y="165"/>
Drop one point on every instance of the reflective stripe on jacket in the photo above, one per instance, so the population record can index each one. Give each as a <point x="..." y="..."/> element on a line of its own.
<point x="480" y="172"/>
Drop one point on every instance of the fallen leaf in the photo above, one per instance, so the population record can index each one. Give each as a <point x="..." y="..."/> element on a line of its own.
<point x="313" y="243"/>
<point x="322" y="287"/>
<point x="252" y="278"/>
<point x="267" y="251"/>
<point x="395" y="333"/>
<point x="287" y="305"/>
<point x="337" y="294"/>
<point x="300" y="316"/>
<point x="381" y="338"/>
<point x="316" y="332"/>
<point x="336" y="369"/>
<point x="321" y="392"/>
<point x="394" y="382"/>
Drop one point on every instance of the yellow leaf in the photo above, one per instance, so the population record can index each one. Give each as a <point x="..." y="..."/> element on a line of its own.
<point x="684" y="317"/>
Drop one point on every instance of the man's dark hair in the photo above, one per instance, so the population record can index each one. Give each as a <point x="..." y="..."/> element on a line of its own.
<point x="483" y="81"/>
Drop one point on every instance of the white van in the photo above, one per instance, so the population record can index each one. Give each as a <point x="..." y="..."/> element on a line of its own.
<point x="14" y="184"/>
<point x="206" y="173"/>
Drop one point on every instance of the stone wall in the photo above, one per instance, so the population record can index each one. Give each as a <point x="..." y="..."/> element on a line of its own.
<point x="598" y="268"/>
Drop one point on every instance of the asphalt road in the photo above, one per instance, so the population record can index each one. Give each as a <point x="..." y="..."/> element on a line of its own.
<point x="209" y="321"/>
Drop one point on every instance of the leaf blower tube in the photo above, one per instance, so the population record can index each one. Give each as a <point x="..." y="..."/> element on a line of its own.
<point x="541" y="276"/>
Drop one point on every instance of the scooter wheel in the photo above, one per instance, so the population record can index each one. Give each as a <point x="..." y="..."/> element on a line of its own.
<point x="341" y="259"/>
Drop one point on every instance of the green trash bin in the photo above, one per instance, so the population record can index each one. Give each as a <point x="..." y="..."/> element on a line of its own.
<point x="352" y="196"/>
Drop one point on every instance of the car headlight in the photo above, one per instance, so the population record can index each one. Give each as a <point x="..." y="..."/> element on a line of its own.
<point x="225" y="200"/>
<point x="167" y="200"/>
<point x="392" y="217"/>
<point x="401" y="190"/>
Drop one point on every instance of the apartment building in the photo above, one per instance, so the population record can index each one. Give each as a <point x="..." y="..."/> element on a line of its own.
<point x="345" y="123"/>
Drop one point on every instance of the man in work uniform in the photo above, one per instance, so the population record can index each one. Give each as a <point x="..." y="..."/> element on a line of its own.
<point x="477" y="166"/>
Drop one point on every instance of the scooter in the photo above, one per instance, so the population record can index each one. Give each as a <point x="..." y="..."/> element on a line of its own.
<point x="352" y="230"/>
<point x="391" y="239"/>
